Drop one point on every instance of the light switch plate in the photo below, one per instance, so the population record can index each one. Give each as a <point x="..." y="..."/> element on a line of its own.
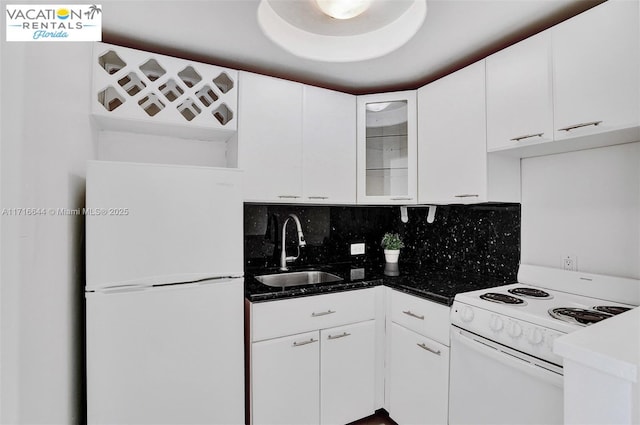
<point x="357" y="248"/>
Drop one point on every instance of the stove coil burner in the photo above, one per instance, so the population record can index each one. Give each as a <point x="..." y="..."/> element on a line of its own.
<point x="531" y="293"/>
<point x="611" y="309"/>
<point x="503" y="299"/>
<point x="580" y="316"/>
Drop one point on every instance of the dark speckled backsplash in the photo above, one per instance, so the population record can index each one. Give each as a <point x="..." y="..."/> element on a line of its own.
<point x="478" y="239"/>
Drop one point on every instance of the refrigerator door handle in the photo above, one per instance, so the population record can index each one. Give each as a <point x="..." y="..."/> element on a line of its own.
<point x="124" y="288"/>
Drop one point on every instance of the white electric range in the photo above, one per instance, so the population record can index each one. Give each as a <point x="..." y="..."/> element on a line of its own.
<point x="503" y="368"/>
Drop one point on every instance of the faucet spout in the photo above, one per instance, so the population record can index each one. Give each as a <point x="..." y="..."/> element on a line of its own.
<point x="301" y="242"/>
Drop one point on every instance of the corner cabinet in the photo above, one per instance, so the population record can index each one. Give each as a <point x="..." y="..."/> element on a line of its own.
<point x="418" y="367"/>
<point x="454" y="165"/>
<point x="296" y="143"/>
<point x="387" y="148"/>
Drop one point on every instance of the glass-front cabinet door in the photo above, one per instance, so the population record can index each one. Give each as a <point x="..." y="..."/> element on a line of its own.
<point x="387" y="148"/>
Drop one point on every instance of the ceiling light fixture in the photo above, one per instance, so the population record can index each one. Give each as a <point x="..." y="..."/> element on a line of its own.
<point x="378" y="106"/>
<point x="343" y="9"/>
<point x="361" y="30"/>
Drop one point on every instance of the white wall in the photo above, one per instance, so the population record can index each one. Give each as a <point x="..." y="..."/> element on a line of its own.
<point x="46" y="139"/>
<point x="586" y="204"/>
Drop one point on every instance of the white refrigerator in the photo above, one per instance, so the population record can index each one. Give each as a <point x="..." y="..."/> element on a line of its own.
<point x="164" y="294"/>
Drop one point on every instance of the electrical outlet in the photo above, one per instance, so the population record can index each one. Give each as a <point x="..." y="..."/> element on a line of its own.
<point x="357" y="248"/>
<point x="570" y="263"/>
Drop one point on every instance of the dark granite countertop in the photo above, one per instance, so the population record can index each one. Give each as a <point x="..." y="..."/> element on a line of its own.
<point x="439" y="286"/>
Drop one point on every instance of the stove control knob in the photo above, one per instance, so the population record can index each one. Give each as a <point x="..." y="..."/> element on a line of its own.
<point x="496" y="323"/>
<point x="467" y="314"/>
<point x="514" y="329"/>
<point x="535" y="336"/>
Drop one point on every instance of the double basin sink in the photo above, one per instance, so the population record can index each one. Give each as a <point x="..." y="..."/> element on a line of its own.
<point x="309" y="277"/>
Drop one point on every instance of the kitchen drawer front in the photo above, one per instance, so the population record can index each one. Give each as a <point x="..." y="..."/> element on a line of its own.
<point x="425" y="317"/>
<point x="286" y="317"/>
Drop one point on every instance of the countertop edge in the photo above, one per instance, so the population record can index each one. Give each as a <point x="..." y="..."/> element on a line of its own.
<point x="611" y="346"/>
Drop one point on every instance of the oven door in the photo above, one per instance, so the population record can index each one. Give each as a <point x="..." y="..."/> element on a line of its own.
<point x="492" y="384"/>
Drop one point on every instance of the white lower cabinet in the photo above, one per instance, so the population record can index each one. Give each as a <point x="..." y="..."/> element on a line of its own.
<point x="418" y="387"/>
<point x="324" y="377"/>
<point x="312" y="360"/>
<point x="347" y="373"/>
<point x="285" y="379"/>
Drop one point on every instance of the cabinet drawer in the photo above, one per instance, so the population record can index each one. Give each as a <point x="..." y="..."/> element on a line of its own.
<point x="425" y="317"/>
<point x="287" y="317"/>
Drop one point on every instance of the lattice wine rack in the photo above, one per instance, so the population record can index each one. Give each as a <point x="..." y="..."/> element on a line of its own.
<point x="145" y="92"/>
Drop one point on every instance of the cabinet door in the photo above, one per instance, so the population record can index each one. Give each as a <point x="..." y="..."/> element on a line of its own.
<point x="285" y="380"/>
<point x="329" y="147"/>
<point x="418" y="378"/>
<point x="596" y="58"/>
<point x="519" y="98"/>
<point x="270" y="138"/>
<point x="347" y="373"/>
<point x="387" y="148"/>
<point x="452" y="130"/>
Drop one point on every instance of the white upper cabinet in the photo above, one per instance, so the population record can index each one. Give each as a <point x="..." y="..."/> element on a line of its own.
<point x="519" y="96"/>
<point x="454" y="166"/>
<point x="575" y="85"/>
<point x="270" y="138"/>
<point x="387" y="148"/>
<point x="297" y="143"/>
<point x="596" y="64"/>
<point x="329" y="147"/>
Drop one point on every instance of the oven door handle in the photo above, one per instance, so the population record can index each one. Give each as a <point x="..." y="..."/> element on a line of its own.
<point x="508" y="358"/>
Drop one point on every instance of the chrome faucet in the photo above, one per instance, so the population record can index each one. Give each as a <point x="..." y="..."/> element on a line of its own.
<point x="301" y="243"/>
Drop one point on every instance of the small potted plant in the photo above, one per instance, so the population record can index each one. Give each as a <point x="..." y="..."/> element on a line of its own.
<point x="392" y="243"/>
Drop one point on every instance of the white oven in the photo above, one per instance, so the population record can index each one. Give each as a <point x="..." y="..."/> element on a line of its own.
<point x="493" y="384"/>
<point x="502" y="367"/>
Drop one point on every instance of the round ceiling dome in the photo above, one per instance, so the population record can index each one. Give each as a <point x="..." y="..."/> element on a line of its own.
<point x="307" y="28"/>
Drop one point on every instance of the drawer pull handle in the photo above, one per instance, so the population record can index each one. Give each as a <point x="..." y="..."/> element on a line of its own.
<point x="584" y="124"/>
<point x="528" y="136"/>
<point x="322" y="313"/>
<point x="342" y="335"/>
<point x="299" y="344"/>
<point x="288" y="196"/>
<point x="402" y="198"/>
<point x="431" y="350"/>
<point x="467" y="195"/>
<point x="318" y="197"/>
<point x="410" y="313"/>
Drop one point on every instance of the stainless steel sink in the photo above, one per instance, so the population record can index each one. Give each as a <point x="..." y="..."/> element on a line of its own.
<point x="298" y="278"/>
